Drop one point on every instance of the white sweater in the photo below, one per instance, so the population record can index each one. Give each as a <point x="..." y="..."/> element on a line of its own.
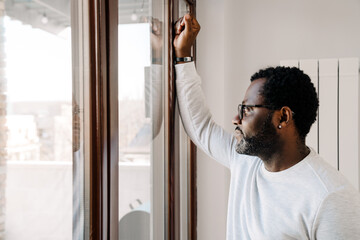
<point x="310" y="200"/>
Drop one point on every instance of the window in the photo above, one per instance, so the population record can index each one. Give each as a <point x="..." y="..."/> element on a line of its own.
<point x="89" y="131"/>
<point x="35" y="121"/>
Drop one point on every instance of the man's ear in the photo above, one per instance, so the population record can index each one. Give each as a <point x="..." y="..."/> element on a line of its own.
<point x="285" y="117"/>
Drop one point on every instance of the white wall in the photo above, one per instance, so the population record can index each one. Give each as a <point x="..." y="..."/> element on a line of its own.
<point x="261" y="33"/>
<point x="212" y="178"/>
<point x="238" y="38"/>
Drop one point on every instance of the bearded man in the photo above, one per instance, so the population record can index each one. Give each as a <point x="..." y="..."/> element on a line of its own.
<point x="280" y="188"/>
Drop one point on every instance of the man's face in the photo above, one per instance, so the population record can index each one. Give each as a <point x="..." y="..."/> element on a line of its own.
<point x="256" y="133"/>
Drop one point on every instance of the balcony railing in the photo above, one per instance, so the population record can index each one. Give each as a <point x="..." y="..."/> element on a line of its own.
<point x="39" y="197"/>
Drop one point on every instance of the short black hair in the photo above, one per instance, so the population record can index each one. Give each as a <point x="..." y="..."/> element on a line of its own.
<point x="290" y="87"/>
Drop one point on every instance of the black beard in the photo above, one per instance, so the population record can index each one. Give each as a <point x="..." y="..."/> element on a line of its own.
<point x="264" y="144"/>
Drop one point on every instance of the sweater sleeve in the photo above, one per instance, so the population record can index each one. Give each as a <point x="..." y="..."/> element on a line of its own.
<point x="197" y="119"/>
<point x="338" y="216"/>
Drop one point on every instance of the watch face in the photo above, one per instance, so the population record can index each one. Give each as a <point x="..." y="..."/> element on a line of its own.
<point x="184" y="59"/>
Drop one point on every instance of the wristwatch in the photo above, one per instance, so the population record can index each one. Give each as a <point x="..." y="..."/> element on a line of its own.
<point x="183" y="59"/>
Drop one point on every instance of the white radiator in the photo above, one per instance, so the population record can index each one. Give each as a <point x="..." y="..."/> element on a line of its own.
<point x="335" y="134"/>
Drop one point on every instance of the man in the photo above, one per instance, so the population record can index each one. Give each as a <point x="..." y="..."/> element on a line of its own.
<point x="280" y="188"/>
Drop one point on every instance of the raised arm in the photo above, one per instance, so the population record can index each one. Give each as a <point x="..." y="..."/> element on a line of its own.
<point x="195" y="115"/>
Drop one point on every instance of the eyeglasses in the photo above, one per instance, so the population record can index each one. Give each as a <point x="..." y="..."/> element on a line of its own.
<point x="241" y="108"/>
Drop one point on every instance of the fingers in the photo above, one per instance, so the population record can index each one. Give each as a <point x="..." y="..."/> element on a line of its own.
<point x="183" y="22"/>
<point x="180" y="25"/>
<point x="188" y="22"/>
<point x="195" y="24"/>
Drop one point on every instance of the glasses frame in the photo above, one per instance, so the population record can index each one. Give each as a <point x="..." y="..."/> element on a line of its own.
<point x="242" y="106"/>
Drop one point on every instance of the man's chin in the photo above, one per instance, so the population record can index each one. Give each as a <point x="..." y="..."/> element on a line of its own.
<point x="261" y="151"/>
<point x="243" y="148"/>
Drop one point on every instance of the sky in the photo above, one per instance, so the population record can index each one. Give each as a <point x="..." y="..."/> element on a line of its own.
<point x="134" y="56"/>
<point x="38" y="63"/>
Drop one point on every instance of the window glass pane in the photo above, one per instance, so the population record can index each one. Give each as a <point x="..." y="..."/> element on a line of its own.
<point x="35" y="120"/>
<point x="141" y="141"/>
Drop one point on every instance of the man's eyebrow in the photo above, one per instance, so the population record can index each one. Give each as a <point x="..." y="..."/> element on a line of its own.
<point x="244" y="101"/>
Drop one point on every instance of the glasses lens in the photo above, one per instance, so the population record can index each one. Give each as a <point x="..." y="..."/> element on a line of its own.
<point x="240" y="111"/>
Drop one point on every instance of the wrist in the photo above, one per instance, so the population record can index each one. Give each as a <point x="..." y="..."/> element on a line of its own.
<point x="181" y="54"/>
<point x="180" y="60"/>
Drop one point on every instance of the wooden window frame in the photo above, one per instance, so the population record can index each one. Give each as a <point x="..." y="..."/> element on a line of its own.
<point x="95" y="64"/>
<point x="173" y="165"/>
<point x="95" y="74"/>
<point x="103" y="124"/>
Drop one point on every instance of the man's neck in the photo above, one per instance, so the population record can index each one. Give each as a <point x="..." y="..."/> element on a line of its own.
<point x="286" y="157"/>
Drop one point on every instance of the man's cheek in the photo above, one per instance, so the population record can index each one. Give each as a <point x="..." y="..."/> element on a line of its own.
<point x="250" y="129"/>
<point x="247" y="130"/>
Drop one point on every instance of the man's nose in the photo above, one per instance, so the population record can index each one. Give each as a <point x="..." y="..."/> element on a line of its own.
<point x="236" y="120"/>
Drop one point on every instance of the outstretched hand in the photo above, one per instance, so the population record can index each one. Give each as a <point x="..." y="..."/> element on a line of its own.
<point x="186" y="30"/>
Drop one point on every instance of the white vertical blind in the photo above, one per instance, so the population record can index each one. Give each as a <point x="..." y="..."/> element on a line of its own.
<point x="328" y="110"/>
<point x="349" y="119"/>
<point x="335" y="135"/>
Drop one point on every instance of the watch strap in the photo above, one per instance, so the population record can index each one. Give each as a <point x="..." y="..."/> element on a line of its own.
<point x="184" y="59"/>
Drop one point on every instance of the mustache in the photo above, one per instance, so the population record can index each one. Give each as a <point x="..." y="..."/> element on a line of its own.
<point x="238" y="129"/>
